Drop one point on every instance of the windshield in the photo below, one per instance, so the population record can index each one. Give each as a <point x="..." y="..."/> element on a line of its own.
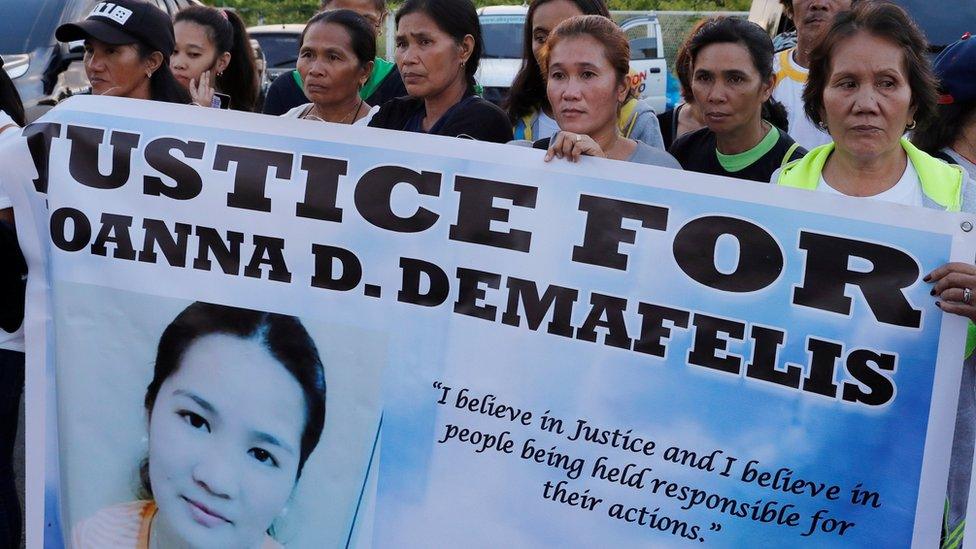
<point x="280" y="50"/>
<point x="26" y="26"/>
<point x="502" y="35"/>
<point x="944" y="22"/>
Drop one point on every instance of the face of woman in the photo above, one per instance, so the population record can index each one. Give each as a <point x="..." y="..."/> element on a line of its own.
<point x="224" y="441"/>
<point x="430" y="60"/>
<point x="116" y="70"/>
<point x="330" y="70"/>
<point x="547" y="17"/>
<point x="727" y="87"/>
<point x="583" y="87"/>
<point x="867" y="99"/>
<point x="195" y="53"/>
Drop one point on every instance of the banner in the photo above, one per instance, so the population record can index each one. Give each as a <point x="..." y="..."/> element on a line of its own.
<point x="251" y="330"/>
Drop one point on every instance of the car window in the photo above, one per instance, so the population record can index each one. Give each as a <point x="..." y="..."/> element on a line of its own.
<point x="502" y="35"/>
<point x="945" y="24"/>
<point x="280" y="49"/>
<point x="26" y="26"/>
<point x="643" y="41"/>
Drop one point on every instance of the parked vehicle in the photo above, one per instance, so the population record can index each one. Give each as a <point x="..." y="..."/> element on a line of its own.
<point x="44" y="70"/>
<point x="501" y="27"/>
<point x="280" y="46"/>
<point x="942" y="25"/>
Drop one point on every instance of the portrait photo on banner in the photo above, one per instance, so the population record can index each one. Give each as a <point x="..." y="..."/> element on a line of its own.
<point x="188" y="423"/>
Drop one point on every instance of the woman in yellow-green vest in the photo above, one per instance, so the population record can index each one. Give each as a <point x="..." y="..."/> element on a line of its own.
<point x="869" y="83"/>
<point x="527" y="105"/>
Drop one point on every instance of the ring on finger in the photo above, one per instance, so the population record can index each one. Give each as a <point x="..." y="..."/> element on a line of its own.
<point x="967" y="295"/>
<point x="579" y="138"/>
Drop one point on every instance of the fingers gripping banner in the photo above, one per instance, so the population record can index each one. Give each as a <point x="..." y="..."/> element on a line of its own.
<point x="256" y="332"/>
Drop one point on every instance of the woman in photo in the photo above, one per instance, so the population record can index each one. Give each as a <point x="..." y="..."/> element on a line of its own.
<point x="731" y="71"/>
<point x="213" y="54"/>
<point x="235" y="407"/>
<point x="438" y="47"/>
<point x="586" y="60"/>
<point x="528" y="105"/>
<point x="128" y="45"/>
<point x="335" y="60"/>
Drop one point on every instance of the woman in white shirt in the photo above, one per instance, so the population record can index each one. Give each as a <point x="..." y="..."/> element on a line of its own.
<point x="335" y="59"/>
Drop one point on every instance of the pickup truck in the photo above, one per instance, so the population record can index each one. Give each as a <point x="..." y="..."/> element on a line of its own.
<point x="501" y="27"/>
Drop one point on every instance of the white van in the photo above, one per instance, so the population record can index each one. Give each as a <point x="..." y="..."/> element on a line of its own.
<point x="501" y="27"/>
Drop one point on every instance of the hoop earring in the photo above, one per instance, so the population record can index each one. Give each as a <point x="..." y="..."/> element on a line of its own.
<point x="911" y="126"/>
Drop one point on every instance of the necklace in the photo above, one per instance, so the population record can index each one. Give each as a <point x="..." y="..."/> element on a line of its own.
<point x="348" y="119"/>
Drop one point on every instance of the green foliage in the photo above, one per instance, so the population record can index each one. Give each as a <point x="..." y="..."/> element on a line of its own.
<point x="269" y="12"/>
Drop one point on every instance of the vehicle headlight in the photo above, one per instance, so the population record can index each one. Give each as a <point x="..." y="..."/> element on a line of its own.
<point x="16" y="65"/>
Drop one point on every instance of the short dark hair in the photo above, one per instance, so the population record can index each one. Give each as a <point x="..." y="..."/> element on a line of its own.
<point x="889" y="22"/>
<point x="457" y="18"/>
<point x="227" y="32"/>
<point x="282" y="335"/>
<point x="732" y="30"/>
<point x="361" y="35"/>
<point x="528" y="91"/>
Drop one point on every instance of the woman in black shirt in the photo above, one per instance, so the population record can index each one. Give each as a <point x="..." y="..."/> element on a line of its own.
<point x="438" y="46"/>
<point x="731" y="68"/>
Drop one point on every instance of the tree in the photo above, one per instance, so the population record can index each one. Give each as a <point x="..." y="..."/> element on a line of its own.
<point x="257" y="12"/>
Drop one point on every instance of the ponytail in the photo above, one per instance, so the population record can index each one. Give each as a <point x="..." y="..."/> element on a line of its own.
<point x="227" y="32"/>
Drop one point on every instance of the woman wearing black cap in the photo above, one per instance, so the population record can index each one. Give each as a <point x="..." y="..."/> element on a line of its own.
<point x="953" y="135"/>
<point x="128" y="44"/>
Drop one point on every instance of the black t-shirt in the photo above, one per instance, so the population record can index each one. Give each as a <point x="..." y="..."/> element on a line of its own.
<point x="285" y="94"/>
<point x="472" y="118"/>
<point x="696" y="152"/>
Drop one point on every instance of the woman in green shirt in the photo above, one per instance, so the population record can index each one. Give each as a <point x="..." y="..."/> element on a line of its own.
<point x="732" y="82"/>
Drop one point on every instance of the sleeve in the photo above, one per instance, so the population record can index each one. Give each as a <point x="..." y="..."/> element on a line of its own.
<point x="679" y="149"/>
<point x="647" y="130"/>
<point x="391" y="88"/>
<point x="283" y="95"/>
<point x="482" y="122"/>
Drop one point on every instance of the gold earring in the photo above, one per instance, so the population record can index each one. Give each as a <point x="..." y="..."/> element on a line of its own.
<point x="911" y="126"/>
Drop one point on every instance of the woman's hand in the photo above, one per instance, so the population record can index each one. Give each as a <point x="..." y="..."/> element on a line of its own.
<point x="202" y="92"/>
<point x="955" y="285"/>
<point x="572" y="146"/>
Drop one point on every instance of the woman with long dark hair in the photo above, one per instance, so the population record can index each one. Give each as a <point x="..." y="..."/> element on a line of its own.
<point x="731" y="70"/>
<point x="213" y="54"/>
<point x="128" y="44"/>
<point x="528" y="106"/>
<point x="438" y="47"/>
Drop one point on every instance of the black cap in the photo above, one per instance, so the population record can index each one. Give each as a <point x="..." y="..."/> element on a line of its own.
<point x="124" y="22"/>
